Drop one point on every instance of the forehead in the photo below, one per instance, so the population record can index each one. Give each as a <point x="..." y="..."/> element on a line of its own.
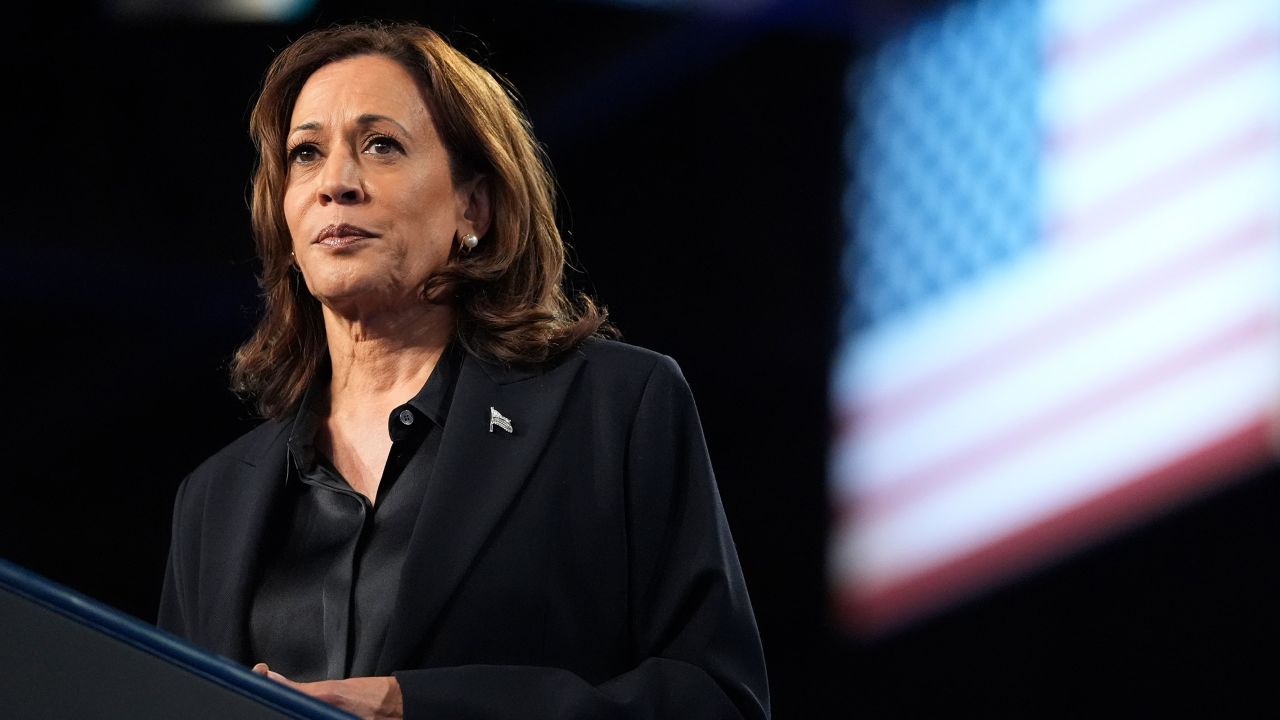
<point x="363" y="85"/>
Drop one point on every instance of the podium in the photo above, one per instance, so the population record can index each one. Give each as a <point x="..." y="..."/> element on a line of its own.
<point x="65" y="655"/>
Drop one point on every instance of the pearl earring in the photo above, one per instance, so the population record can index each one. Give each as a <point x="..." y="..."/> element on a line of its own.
<point x="469" y="242"/>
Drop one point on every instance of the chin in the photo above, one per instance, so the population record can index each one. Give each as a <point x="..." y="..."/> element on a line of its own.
<point x="341" y="287"/>
<point x="362" y="291"/>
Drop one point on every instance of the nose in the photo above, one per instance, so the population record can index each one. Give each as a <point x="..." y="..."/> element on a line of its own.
<point x="341" y="182"/>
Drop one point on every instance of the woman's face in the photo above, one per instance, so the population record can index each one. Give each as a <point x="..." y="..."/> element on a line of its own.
<point x="369" y="199"/>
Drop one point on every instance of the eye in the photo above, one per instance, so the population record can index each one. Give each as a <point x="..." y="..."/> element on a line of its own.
<point x="303" y="154"/>
<point x="382" y="145"/>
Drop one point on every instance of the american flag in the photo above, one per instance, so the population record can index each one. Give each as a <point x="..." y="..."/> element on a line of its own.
<point x="1063" y="285"/>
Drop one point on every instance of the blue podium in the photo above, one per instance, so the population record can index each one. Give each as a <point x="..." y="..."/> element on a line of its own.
<point x="64" y="655"/>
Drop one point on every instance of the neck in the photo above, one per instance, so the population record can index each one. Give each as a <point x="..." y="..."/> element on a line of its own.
<point x="385" y="359"/>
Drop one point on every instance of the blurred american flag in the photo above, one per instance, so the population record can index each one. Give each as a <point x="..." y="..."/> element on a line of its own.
<point x="1063" y="285"/>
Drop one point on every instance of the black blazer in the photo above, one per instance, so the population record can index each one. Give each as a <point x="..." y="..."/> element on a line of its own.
<point x="580" y="567"/>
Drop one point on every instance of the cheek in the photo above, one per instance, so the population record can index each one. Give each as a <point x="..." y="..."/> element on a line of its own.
<point x="429" y="205"/>
<point x="294" y="208"/>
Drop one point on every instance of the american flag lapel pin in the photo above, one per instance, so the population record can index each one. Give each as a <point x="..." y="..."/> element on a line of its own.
<point x="498" y="419"/>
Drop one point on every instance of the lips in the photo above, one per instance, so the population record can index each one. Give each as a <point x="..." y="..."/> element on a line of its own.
<point x="342" y="235"/>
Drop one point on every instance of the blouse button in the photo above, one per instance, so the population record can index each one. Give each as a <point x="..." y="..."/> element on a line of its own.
<point x="406" y="417"/>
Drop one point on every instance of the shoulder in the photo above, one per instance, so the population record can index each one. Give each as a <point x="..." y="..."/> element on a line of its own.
<point x="234" y="482"/>
<point x="628" y="376"/>
<point x="245" y="452"/>
<point x="620" y="360"/>
<point x="250" y="447"/>
<point x="593" y="360"/>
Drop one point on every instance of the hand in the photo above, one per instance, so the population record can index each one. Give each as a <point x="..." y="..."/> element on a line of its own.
<point x="372" y="698"/>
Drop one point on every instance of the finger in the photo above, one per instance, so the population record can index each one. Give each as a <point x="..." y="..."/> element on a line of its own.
<point x="264" y="670"/>
<point x="282" y="679"/>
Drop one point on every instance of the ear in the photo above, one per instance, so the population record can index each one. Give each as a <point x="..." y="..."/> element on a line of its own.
<point x="475" y="209"/>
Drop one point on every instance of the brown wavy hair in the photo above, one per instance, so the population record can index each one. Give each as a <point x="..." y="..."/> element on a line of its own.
<point x="508" y="297"/>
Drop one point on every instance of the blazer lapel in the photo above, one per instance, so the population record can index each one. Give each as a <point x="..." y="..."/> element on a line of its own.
<point x="478" y="473"/>
<point x="237" y="540"/>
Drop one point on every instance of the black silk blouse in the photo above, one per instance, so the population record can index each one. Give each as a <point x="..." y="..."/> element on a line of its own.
<point x="332" y="561"/>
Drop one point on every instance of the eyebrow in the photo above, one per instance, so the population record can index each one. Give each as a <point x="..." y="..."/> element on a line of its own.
<point x="363" y="120"/>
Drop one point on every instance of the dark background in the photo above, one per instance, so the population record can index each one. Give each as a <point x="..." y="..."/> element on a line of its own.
<point x="699" y="157"/>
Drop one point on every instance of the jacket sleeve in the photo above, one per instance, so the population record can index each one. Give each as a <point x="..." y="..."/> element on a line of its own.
<point x="697" y="649"/>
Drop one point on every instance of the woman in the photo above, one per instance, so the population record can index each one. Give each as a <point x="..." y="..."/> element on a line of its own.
<point x="465" y="501"/>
